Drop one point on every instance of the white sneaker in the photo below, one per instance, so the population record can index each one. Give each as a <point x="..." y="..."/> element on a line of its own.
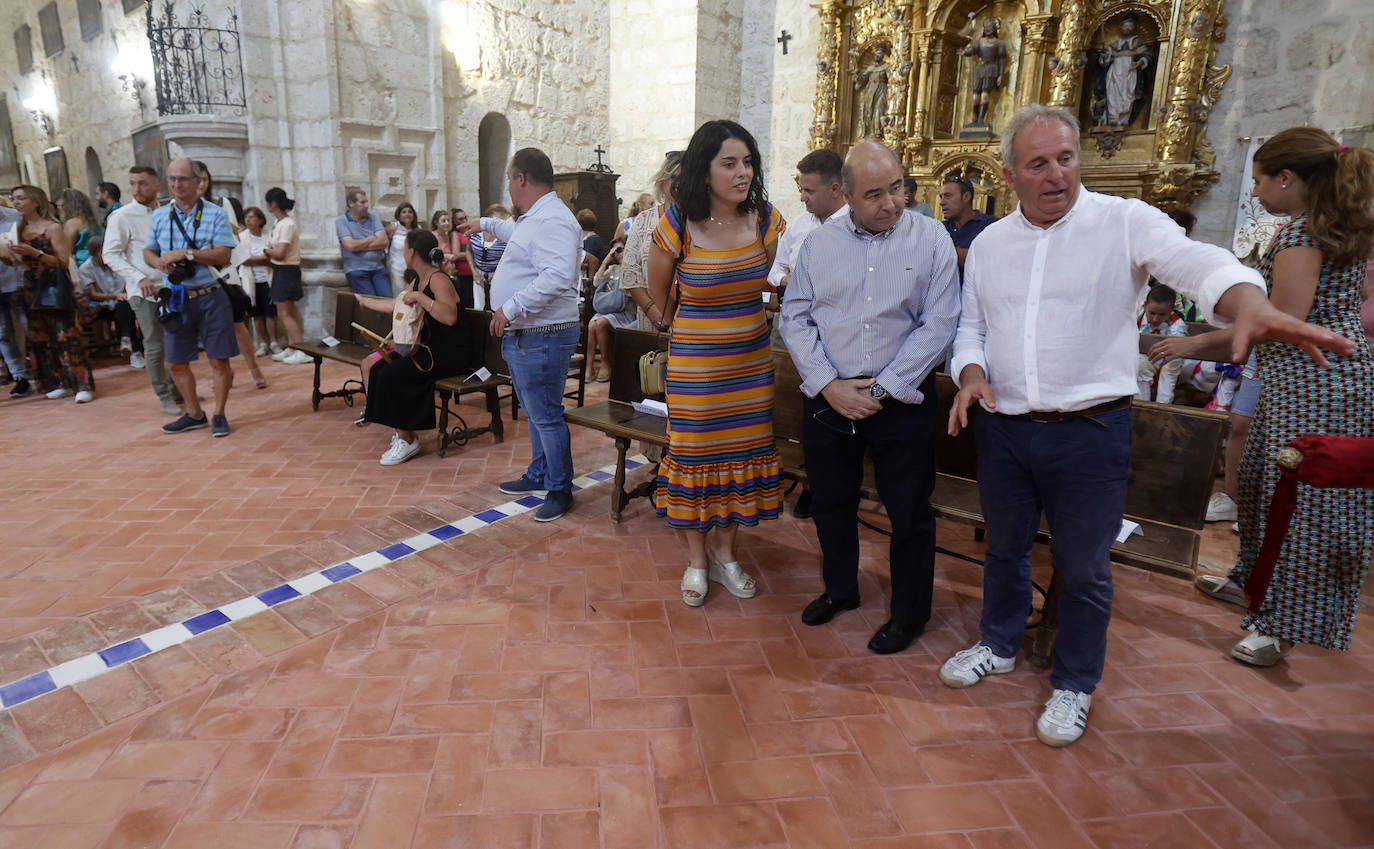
<point x="280" y="353"/>
<point x="400" y="451"/>
<point x="1222" y="508"/>
<point x="85" y="396"/>
<point x="261" y="350"/>
<point x="59" y="392"/>
<point x="968" y="667"/>
<point x="276" y="349"/>
<point x="296" y="358"/>
<point x="1065" y="717"/>
<point x="136" y="360"/>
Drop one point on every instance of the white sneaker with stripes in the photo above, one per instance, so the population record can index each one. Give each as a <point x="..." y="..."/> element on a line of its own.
<point x="1064" y="719"/>
<point x="969" y="666"/>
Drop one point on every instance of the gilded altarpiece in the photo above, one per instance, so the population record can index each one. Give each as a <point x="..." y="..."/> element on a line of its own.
<point x="937" y="79"/>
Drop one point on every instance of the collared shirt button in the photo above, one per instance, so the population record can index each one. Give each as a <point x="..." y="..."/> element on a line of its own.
<point x="870" y="268"/>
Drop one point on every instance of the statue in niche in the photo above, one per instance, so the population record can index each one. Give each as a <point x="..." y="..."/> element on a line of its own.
<point x="1121" y="77"/>
<point x="872" y="94"/>
<point x="990" y="69"/>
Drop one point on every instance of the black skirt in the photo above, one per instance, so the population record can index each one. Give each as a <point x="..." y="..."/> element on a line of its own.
<point x="400" y="394"/>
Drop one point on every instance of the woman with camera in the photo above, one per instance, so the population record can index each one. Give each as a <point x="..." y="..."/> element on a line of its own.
<point x="57" y="354"/>
<point x="400" y="392"/>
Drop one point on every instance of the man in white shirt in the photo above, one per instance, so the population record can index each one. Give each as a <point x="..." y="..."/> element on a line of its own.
<point x="535" y="293"/>
<point x="1047" y="343"/>
<point x="126" y="231"/>
<point x="818" y="179"/>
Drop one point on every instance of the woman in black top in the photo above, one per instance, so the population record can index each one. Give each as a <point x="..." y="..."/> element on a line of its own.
<point x="400" y="393"/>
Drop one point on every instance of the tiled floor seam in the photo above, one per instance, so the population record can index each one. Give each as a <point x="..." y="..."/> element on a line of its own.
<point x="97" y="663"/>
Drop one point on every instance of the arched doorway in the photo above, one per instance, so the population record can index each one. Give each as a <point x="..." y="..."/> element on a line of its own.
<point x="493" y="154"/>
<point x="95" y="175"/>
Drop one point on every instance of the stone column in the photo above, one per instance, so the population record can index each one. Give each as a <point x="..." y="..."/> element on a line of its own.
<point x="220" y="142"/>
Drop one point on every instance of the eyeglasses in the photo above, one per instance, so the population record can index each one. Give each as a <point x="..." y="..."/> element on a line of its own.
<point x="832" y="420"/>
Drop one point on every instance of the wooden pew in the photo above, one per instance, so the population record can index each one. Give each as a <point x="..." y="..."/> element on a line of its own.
<point x="353" y="349"/>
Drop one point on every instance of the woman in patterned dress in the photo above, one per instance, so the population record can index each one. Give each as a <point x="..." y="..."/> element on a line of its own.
<point x="1314" y="269"/>
<point x="720" y="469"/>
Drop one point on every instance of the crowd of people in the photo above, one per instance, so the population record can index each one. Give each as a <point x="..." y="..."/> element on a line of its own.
<point x="1035" y="315"/>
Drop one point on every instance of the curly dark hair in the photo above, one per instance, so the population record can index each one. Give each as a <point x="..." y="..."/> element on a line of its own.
<point x="691" y="189"/>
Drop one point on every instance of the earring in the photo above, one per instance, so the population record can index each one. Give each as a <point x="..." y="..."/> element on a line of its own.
<point x="1283" y="185"/>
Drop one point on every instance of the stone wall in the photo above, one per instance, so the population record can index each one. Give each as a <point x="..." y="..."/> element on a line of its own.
<point x="1294" y="64"/>
<point x="787" y="89"/>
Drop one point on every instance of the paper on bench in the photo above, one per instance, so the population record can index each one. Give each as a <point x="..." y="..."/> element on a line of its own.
<point x="651" y="407"/>
<point x="1128" y="528"/>
<point x="480" y="375"/>
<point x="330" y="341"/>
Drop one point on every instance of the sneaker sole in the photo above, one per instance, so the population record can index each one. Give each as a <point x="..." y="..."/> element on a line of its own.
<point x="187" y="429"/>
<point x="960" y="684"/>
<point x="1053" y="742"/>
<point x="538" y="493"/>
<point x="386" y="462"/>
<point x="553" y="518"/>
<point x="217" y="434"/>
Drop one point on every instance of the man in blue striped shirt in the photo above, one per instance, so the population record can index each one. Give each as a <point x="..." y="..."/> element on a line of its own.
<point x="872" y="306"/>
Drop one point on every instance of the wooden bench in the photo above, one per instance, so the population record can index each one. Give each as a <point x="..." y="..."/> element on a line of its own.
<point x="353" y="350"/>
<point x="1174" y="453"/>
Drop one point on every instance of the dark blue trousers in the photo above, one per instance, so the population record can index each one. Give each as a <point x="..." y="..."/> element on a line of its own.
<point x="1075" y="471"/>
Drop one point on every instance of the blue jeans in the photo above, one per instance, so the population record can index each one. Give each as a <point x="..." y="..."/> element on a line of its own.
<point x="373" y="281"/>
<point x="539" y="365"/>
<point x="1076" y="472"/>
<point x="13" y="319"/>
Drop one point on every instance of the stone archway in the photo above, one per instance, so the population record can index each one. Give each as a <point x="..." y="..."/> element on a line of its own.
<point x="493" y="154"/>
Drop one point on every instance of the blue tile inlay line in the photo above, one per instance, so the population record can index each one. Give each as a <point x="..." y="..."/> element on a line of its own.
<point x="205" y="621"/>
<point x="27" y="688"/>
<point x="395" y="551"/>
<point x="40" y="683"/>
<point x="277" y="595"/>
<point x="125" y="652"/>
<point x="341" y="572"/>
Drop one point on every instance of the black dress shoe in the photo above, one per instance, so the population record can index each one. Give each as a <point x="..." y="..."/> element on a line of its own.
<point x="802" y="507"/>
<point x="894" y="637"/>
<point x="823" y="609"/>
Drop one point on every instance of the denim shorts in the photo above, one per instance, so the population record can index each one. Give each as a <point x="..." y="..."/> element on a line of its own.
<point x="207" y="320"/>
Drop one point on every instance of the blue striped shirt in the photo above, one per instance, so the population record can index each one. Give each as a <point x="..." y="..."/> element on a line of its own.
<point x="882" y="305"/>
<point x="213" y="231"/>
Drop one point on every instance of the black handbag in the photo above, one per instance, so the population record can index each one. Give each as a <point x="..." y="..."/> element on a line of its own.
<point x="53" y="292"/>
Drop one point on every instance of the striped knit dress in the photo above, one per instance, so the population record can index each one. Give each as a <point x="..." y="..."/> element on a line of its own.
<point x="720" y="466"/>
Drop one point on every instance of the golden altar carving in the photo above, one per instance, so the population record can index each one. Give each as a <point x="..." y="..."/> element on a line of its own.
<point x="904" y="70"/>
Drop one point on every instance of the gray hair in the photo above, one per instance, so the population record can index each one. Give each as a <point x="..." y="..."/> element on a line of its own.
<point x="1033" y="113"/>
<point x="847" y="170"/>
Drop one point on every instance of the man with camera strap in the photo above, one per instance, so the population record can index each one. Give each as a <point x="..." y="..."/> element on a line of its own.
<point x="186" y="238"/>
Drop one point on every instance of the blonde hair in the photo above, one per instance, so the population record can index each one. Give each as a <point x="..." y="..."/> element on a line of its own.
<point x="496" y="210"/>
<point x="1340" y="188"/>
<point x="665" y="174"/>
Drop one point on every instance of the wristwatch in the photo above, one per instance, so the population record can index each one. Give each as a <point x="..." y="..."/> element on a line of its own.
<point x="877" y="391"/>
<point x="191" y="255"/>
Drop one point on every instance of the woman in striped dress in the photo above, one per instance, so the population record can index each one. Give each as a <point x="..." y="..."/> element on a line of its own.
<point x="713" y="249"/>
<point x="1314" y="269"/>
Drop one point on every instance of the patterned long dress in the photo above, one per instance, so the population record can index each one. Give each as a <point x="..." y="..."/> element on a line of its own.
<point x="57" y="353"/>
<point x="720" y="466"/>
<point x="1325" y="558"/>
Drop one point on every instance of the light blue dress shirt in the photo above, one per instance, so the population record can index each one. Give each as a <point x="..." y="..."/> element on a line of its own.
<point x="536" y="283"/>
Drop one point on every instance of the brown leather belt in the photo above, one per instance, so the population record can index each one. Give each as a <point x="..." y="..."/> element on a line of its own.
<point x="1112" y="406"/>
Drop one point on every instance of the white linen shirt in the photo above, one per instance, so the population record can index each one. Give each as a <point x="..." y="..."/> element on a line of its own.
<point x="790" y="242"/>
<point x="126" y="231"/>
<point x="536" y="283"/>
<point x="1050" y="313"/>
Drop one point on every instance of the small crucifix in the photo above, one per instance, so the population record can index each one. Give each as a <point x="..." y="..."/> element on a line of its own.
<point x="599" y="166"/>
<point x="783" y="39"/>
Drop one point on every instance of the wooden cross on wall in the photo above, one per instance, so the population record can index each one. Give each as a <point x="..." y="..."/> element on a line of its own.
<point x="783" y="39"/>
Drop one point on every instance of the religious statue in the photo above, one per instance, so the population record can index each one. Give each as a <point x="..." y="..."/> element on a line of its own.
<point x="872" y="94"/>
<point x="990" y="69"/>
<point x="1121" y="77"/>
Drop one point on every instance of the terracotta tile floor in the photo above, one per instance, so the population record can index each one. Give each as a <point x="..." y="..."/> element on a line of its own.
<point x="541" y="685"/>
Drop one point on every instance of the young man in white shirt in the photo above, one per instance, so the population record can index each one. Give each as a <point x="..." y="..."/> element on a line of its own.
<point x="1047" y="343"/>
<point x="818" y="180"/>
<point x="126" y="231"/>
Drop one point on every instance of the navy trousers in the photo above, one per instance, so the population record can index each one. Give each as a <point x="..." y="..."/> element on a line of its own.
<point x="1075" y="471"/>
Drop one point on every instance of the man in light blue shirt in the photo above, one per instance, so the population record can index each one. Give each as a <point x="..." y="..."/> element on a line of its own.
<point x="363" y="242"/>
<point x="872" y="306"/>
<point x="198" y="236"/>
<point x="535" y="293"/>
